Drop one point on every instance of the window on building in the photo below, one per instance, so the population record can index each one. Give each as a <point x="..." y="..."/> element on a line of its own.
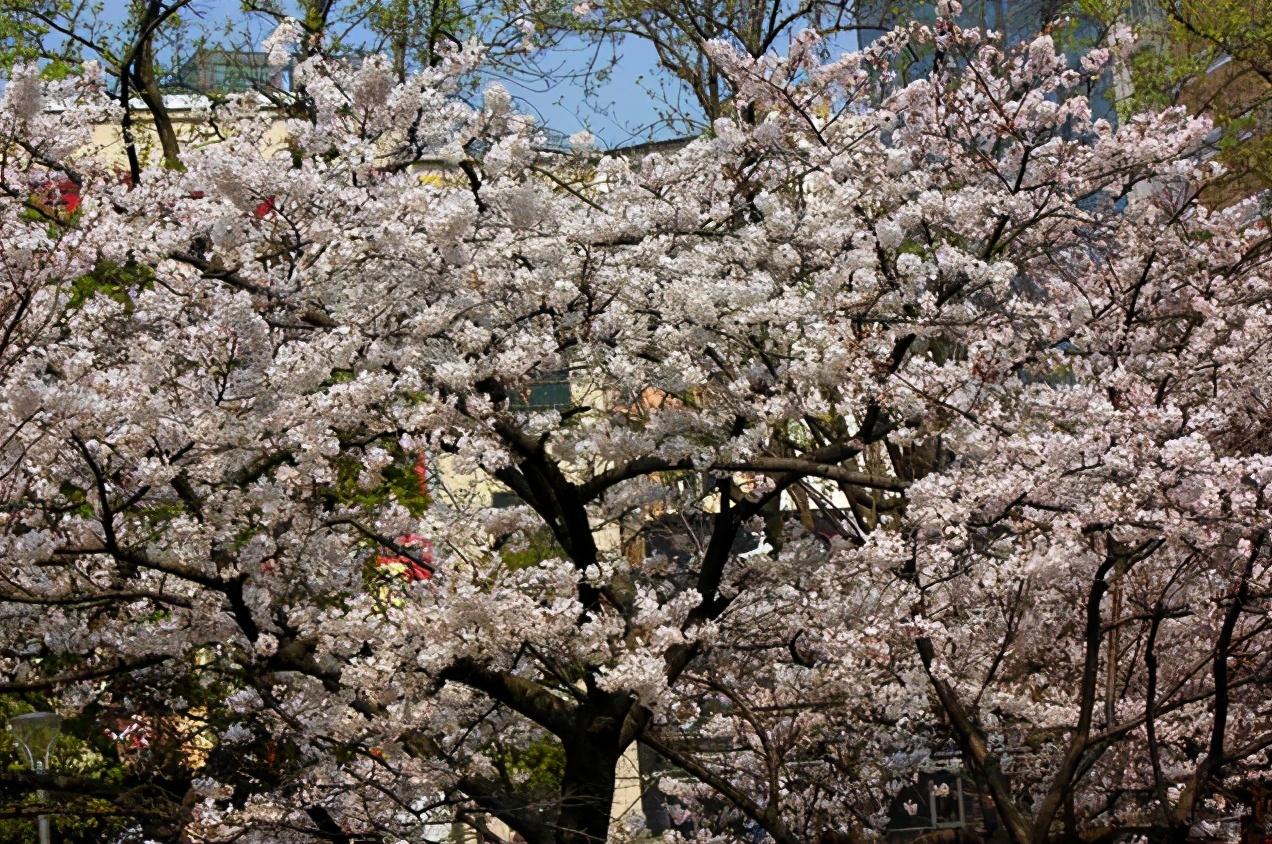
<point x="229" y="71"/>
<point x="548" y="391"/>
<point x="934" y="800"/>
<point x="504" y="498"/>
<point x="947" y="802"/>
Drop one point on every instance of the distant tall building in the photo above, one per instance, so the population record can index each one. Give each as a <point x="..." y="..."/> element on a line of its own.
<point x="1017" y="21"/>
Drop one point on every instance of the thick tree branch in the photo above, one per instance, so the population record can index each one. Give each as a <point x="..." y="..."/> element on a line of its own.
<point x="975" y="748"/>
<point x="81" y="676"/>
<point x="540" y="705"/>
<point x="766" y="816"/>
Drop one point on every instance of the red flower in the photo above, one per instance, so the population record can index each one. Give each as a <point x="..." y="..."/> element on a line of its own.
<point x="266" y="206"/>
<point x="55" y="195"/>
<point x="419" y="566"/>
<point x="69" y="195"/>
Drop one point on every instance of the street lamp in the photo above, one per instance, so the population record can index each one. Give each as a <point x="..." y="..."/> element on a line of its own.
<point x="35" y="733"/>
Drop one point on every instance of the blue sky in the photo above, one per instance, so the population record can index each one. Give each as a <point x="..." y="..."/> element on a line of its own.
<point x="621" y="107"/>
<point x="619" y="111"/>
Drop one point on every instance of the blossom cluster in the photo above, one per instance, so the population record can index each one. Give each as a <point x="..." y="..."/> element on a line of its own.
<point x="980" y="376"/>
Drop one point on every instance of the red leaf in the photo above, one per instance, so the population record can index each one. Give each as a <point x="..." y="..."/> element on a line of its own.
<point x="421" y="472"/>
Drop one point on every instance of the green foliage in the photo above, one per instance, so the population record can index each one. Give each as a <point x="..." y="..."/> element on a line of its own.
<point x="398" y="481"/>
<point x="20" y="40"/>
<point x="118" y="777"/>
<point x="538" y="767"/>
<point x="77" y="500"/>
<point x="1241" y="28"/>
<point x="539" y="546"/>
<point x="58" y="69"/>
<point x="114" y="281"/>
<point x="72" y="754"/>
<point x="1214" y="57"/>
<point x="402" y="482"/>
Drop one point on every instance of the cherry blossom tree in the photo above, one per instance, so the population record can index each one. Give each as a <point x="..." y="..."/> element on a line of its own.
<point x="980" y="376"/>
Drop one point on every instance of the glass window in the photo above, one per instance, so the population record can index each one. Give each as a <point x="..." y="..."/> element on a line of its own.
<point x="551" y="390"/>
<point x="504" y="498"/>
<point x="947" y="801"/>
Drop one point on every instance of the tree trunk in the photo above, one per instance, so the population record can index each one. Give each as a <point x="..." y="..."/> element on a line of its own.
<point x="587" y="786"/>
<point x="143" y="70"/>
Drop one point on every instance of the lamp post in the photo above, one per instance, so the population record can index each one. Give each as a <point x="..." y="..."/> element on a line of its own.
<point x="35" y="733"/>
